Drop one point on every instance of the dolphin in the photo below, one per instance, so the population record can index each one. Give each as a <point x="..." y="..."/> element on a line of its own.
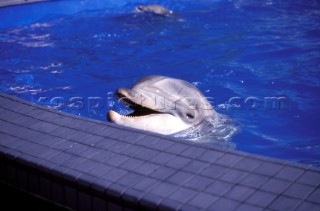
<point x="154" y="9"/>
<point x="162" y="105"/>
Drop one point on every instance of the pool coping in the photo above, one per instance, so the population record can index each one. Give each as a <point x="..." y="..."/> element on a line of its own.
<point x="84" y="163"/>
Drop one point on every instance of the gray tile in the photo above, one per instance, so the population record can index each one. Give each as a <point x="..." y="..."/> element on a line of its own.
<point x="289" y="173"/>
<point x="26" y="121"/>
<point x="89" y="152"/>
<point x="92" y="140"/>
<point x="76" y="148"/>
<point x="239" y="193"/>
<point x="224" y="204"/>
<point x="105" y="131"/>
<point x="56" y="142"/>
<point x="178" y="162"/>
<point x="308" y="206"/>
<point x="146" y="154"/>
<point x="11" y="142"/>
<point x="161" y="144"/>
<point x="101" y="185"/>
<point x="180" y="177"/>
<point x="233" y="176"/>
<point x="44" y="126"/>
<point x="85" y="166"/>
<point x="183" y="195"/>
<point x="61" y="158"/>
<point x="147" y="141"/>
<point x="132" y="150"/>
<point x="132" y="197"/>
<point x="79" y="136"/>
<point x="246" y="207"/>
<point x="198" y="183"/>
<point x="168" y="204"/>
<point x="248" y="164"/>
<point x="76" y="123"/>
<point x="14" y="130"/>
<point x="299" y="191"/>
<point x="261" y="198"/>
<point x="85" y="180"/>
<point x="146" y="168"/>
<point x="210" y="156"/>
<point x="219" y="188"/>
<point x="116" y="159"/>
<point x="162" y="173"/>
<point x="195" y="166"/>
<point x="73" y="161"/>
<point x="130" y="179"/>
<point x="177" y="148"/>
<point x="310" y="178"/>
<point x="214" y="171"/>
<point x="203" y="200"/>
<point x="254" y="180"/>
<point x="119" y="147"/>
<point x="60" y="119"/>
<point x="146" y="184"/>
<point x="275" y="185"/>
<point x="284" y="203"/>
<point x="40" y="114"/>
<point x="63" y="144"/>
<point x="68" y="174"/>
<point x="162" y="158"/>
<point x="315" y="196"/>
<point x="64" y="132"/>
<point x="268" y="168"/>
<point x="129" y="136"/>
<point x="99" y="169"/>
<point x="193" y="152"/>
<point x="150" y="201"/>
<point x="229" y="160"/>
<point x="95" y="128"/>
<point x="104" y="144"/>
<point x="103" y="156"/>
<point x="114" y="174"/>
<point x="131" y="164"/>
<point x="164" y="189"/>
<point x="115" y="191"/>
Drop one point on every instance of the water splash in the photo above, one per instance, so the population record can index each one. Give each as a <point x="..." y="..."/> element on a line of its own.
<point x="216" y="130"/>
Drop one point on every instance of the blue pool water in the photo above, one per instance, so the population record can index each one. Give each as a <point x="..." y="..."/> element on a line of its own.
<point x="258" y="60"/>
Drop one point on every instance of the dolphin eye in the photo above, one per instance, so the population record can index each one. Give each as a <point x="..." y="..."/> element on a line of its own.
<point x="190" y="116"/>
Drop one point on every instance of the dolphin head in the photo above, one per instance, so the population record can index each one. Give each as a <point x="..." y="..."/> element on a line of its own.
<point x="162" y="105"/>
<point x="154" y="9"/>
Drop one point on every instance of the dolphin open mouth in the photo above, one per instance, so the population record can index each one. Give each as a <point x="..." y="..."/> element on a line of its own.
<point x="138" y="109"/>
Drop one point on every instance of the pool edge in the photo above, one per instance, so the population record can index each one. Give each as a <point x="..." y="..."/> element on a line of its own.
<point x="189" y="179"/>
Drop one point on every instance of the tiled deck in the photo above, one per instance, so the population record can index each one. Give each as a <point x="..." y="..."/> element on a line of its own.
<point x="91" y="165"/>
